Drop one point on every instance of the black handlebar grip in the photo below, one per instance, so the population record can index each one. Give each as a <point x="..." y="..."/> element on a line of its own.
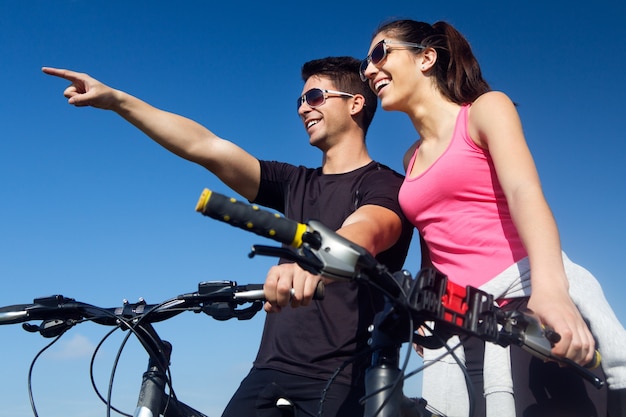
<point x="251" y="218"/>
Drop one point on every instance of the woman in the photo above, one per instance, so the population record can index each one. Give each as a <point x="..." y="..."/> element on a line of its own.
<point x="473" y="192"/>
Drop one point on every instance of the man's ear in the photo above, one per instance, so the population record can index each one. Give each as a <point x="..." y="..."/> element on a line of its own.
<point x="358" y="102"/>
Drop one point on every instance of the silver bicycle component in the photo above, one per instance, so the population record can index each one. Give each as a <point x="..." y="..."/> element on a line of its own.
<point x="340" y="257"/>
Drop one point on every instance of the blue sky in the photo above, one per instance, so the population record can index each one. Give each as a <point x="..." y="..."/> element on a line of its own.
<point x="94" y="210"/>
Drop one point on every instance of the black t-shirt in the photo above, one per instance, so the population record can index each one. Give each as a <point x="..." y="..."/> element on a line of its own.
<point x="316" y="340"/>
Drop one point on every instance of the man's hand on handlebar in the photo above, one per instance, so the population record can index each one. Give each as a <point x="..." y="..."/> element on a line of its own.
<point x="288" y="284"/>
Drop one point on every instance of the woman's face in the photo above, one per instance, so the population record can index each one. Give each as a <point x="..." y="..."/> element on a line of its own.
<point x="394" y="77"/>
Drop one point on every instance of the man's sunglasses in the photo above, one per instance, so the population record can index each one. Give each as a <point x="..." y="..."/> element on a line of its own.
<point x="379" y="53"/>
<point x="315" y="97"/>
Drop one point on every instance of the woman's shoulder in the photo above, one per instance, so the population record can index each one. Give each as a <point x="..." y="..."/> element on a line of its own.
<point x="491" y="106"/>
<point x="492" y="99"/>
<point x="491" y="112"/>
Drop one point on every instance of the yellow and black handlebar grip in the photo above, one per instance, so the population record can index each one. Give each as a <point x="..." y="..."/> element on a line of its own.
<point x="251" y="218"/>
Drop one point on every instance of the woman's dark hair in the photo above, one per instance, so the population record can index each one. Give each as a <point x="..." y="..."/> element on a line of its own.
<point x="343" y="71"/>
<point x="456" y="70"/>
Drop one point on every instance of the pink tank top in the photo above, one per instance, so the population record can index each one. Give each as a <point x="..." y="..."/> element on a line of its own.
<point x="458" y="206"/>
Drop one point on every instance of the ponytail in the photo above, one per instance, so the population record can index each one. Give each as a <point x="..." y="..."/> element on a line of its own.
<point x="457" y="72"/>
<point x="461" y="79"/>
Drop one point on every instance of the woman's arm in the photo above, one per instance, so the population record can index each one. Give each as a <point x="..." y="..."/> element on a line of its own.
<point x="495" y="125"/>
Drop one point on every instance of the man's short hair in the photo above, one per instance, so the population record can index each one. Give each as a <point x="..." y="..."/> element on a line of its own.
<point x="343" y="71"/>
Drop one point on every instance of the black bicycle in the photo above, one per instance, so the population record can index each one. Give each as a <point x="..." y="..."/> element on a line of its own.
<point x="411" y="303"/>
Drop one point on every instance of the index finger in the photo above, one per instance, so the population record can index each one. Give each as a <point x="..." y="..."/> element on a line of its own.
<point x="61" y="73"/>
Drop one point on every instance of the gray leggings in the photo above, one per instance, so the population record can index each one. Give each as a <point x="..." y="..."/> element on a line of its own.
<point x="444" y="384"/>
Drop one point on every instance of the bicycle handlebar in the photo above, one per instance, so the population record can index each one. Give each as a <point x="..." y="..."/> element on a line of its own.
<point x="218" y="299"/>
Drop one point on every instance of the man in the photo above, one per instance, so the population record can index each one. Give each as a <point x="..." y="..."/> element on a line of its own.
<point x="301" y="348"/>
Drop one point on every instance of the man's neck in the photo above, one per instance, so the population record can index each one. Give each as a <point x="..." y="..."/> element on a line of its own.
<point x="345" y="157"/>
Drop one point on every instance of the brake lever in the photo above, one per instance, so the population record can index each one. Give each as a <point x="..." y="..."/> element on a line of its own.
<point x="223" y="311"/>
<point x="50" y="328"/>
<point x="309" y="263"/>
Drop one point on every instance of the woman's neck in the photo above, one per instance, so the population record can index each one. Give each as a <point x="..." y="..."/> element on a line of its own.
<point x="433" y="119"/>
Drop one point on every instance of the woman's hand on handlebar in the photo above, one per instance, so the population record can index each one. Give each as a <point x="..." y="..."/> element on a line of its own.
<point x="288" y="284"/>
<point x="560" y="313"/>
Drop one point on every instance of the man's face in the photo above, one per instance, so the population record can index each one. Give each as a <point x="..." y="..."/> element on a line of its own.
<point x="325" y="122"/>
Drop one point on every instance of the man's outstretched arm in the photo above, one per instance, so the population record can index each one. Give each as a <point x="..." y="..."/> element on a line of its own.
<point x="180" y="135"/>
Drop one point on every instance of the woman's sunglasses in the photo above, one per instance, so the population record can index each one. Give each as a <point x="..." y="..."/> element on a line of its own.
<point x="315" y="97"/>
<point x="379" y="53"/>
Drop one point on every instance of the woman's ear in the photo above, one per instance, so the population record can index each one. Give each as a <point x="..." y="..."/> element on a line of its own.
<point x="428" y="59"/>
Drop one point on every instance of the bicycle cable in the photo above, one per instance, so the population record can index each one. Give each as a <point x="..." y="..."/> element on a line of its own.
<point x="121" y="322"/>
<point x="335" y="374"/>
<point x="113" y="372"/>
<point x="30" y="372"/>
<point x="167" y="369"/>
<point x="91" y="374"/>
